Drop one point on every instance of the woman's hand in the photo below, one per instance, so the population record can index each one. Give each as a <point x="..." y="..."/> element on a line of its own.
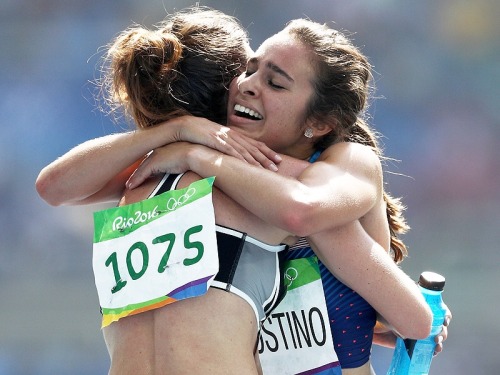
<point x="211" y="138"/>
<point x="172" y="158"/>
<point x="384" y="336"/>
<point x="441" y="337"/>
<point x="221" y="138"/>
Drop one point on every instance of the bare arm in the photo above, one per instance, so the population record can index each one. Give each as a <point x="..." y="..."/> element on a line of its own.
<point x="343" y="186"/>
<point x="93" y="171"/>
<point x="384" y="336"/>
<point x="96" y="170"/>
<point x="362" y="264"/>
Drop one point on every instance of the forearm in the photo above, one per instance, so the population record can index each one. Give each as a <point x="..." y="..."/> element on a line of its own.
<point x="271" y="196"/>
<point x="299" y="205"/>
<point x="385" y="339"/>
<point x="359" y="262"/>
<point x="383" y="335"/>
<point x="96" y="170"/>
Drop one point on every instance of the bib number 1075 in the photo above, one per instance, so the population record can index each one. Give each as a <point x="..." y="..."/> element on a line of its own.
<point x="137" y="258"/>
<point x="169" y="256"/>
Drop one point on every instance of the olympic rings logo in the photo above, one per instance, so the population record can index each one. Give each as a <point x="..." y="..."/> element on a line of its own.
<point x="291" y="274"/>
<point x="173" y="203"/>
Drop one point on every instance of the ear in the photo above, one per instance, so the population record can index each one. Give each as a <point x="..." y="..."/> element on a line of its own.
<point x="319" y="128"/>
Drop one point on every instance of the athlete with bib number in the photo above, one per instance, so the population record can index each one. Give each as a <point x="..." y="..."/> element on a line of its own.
<point x="168" y="339"/>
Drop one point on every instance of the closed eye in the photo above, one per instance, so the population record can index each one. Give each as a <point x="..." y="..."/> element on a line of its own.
<point x="274" y="85"/>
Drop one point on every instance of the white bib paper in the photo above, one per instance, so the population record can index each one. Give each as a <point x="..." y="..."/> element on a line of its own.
<point x="155" y="252"/>
<point x="296" y="338"/>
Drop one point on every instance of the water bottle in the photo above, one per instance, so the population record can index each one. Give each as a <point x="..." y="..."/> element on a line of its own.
<point x="413" y="357"/>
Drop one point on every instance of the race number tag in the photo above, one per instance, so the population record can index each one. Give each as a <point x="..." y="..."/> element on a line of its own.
<point x="155" y="252"/>
<point x="296" y="338"/>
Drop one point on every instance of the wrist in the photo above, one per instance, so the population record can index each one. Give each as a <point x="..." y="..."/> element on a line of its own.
<point x="161" y="134"/>
<point x="203" y="160"/>
<point x="176" y="133"/>
<point x="183" y="129"/>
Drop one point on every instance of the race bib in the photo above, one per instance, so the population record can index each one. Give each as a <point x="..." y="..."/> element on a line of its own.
<point x="155" y="252"/>
<point x="296" y="338"/>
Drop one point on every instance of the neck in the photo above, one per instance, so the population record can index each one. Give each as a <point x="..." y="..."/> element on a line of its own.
<point x="302" y="152"/>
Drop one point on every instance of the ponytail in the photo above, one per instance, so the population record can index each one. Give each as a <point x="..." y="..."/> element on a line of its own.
<point x="143" y="65"/>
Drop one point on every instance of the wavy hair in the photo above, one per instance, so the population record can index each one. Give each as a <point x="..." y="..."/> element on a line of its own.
<point x="341" y="96"/>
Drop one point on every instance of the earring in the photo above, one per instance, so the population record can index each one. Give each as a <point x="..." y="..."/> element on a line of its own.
<point x="308" y="133"/>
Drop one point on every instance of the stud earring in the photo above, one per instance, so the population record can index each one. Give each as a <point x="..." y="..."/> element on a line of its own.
<point x="308" y="133"/>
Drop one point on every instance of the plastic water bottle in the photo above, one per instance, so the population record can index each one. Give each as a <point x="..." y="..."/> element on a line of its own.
<point x="413" y="357"/>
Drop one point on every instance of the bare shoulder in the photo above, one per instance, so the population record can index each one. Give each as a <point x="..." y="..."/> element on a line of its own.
<point x="345" y="151"/>
<point x="292" y="167"/>
<point x="353" y="157"/>
<point x="187" y="179"/>
<point x="141" y="192"/>
<point x="146" y="188"/>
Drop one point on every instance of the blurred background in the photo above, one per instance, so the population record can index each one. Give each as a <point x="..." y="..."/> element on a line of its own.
<point x="438" y="89"/>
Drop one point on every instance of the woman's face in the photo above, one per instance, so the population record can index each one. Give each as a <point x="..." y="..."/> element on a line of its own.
<point x="268" y="101"/>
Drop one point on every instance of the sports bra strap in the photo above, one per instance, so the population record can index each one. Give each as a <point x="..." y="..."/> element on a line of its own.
<point x="315" y="156"/>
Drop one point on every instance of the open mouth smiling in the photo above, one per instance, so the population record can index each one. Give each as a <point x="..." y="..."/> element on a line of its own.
<point x="248" y="113"/>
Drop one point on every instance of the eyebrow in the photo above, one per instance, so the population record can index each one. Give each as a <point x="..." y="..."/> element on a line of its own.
<point x="275" y="68"/>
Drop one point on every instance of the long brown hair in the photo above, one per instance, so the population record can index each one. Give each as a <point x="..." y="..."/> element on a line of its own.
<point x="341" y="96"/>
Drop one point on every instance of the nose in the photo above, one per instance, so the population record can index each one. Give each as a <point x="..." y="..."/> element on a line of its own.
<point x="248" y="85"/>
